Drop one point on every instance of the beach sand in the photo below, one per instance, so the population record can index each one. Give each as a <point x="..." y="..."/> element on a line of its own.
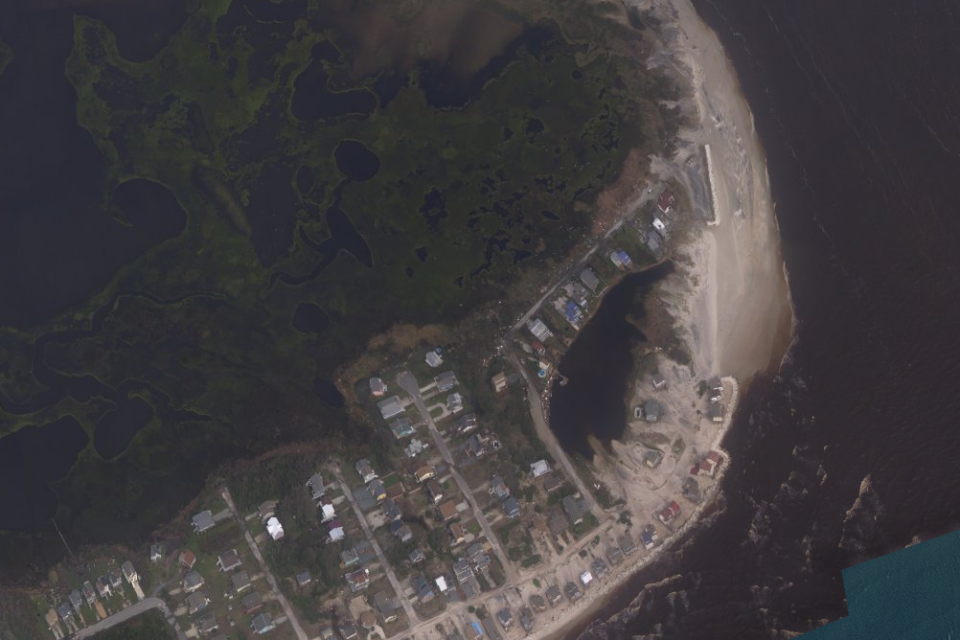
<point x="730" y="296"/>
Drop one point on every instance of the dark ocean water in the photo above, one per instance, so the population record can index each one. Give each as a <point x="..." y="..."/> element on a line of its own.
<point x="850" y="451"/>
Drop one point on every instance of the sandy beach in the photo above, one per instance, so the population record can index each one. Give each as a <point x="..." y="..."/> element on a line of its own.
<point x="730" y="297"/>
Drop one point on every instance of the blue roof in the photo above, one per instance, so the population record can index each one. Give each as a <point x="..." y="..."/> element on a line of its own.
<point x="476" y="627"/>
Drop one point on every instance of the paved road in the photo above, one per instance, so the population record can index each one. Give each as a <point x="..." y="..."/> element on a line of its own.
<point x="391" y="575"/>
<point x="287" y="609"/>
<point x="408" y="382"/>
<point x="545" y="434"/>
<point x="130" y="612"/>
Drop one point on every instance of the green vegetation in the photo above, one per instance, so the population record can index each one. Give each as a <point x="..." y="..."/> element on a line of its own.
<point x="235" y="117"/>
<point x="146" y="626"/>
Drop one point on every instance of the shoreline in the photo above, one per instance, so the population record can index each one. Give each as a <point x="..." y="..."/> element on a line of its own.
<point x="741" y="324"/>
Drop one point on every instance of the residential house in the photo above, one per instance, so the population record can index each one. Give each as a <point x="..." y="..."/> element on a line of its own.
<point x="577" y="291"/>
<point x="103" y="587"/>
<point x="402" y="428"/>
<point x="275" y="529"/>
<point x="511" y="507"/>
<point x="187" y="559"/>
<point x="539" y="330"/>
<point x="365" y="470"/>
<point x="648" y="537"/>
<point x="267" y="510"/>
<point x="526" y="619"/>
<point x="572" y="313"/>
<point x="454" y="403"/>
<point x="422" y="588"/>
<point x="229" y="561"/>
<point x="691" y="490"/>
<point x="434" y="359"/>
<point x="335" y="529"/>
<point x="553" y="594"/>
<point x="538" y="348"/>
<point x="65" y="613"/>
<point x="358" y="580"/>
<point x="348" y="631"/>
<point x="416" y="556"/>
<point x="196" y="602"/>
<point x="192" y="581"/>
<point x="203" y="521"/>
<point x="505" y="618"/>
<point x="327" y="633"/>
<point x="446" y="381"/>
<point x="599" y="567"/>
<point x="207" y="623"/>
<point x="499" y="488"/>
<point x="442" y="585"/>
<point x="262" y="623"/>
<point x="316" y="486"/>
<point x="586" y="578"/>
<point x="251" y="603"/>
<point x="402" y="532"/>
<point x="390" y="408"/>
<point x="434" y="491"/>
<point x="651" y="410"/>
<point x="457" y="533"/>
<point x="466" y="423"/>
<point x="304" y="578"/>
<point x="666" y="202"/>
<point x="478" y="555"/>
<point x="715" y="386"/>
<point x="447" y="511"/>
<point x="716" y="411"/>
<point x="76" y="600"/>
<point x="557" y="524"/>
<point x="710" y="464"/>
<point x="156" y="552"/>
<point x="377" y="387"/>
<point x="414" y="449"/>
<point x="89" y="593"/>
<point x="539" y="468"/>
<point x="493" y="633"/>
<point x="538" y="603"/>
<point x="551" y="484"/>
<point x="424" y="473"/>
<point x="669" y="512"/>
<point x="590" y="279"/>
<point x="652" y="459"/>
<point x="386" y="606"/>
<point x="349" y="558"/>
<point x="240" y="582"/>
<point x="377" y="490"/>
<point x="614" y="556"/>
<point x="621" y="259"/>
<point x="327" y="511"/>
<point x="474" y="631"/>
<point x="576" y="508"/>
<point x="391" y="511"/>
<point x="116" y="578"/>
<point x="654" y="242"/>
<point x="129" y="573"/>
<point x="499" y="382"/>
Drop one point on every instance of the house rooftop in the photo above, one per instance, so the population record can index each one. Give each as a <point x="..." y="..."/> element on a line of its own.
<point x="203" y="521"/>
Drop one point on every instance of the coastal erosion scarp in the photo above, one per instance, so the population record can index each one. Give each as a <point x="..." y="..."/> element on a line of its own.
<point x="732" y="299"/>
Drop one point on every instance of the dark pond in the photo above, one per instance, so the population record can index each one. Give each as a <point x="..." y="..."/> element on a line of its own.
<point x="598" y="365"/>
<point x="328" y="392"/>
<point x="313" y="99"/>
<point x="310" y="318"/>
<point x="271" y="213"/>
<point x="30" y="459"/>
<point x="117" y="428"/>
<point x="356" y="161"/>
<point x="347" y="236"/>
<point x="434" y="208"/>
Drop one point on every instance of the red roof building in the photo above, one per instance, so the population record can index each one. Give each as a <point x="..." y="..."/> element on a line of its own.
<point x="667" y="201"/>
<point x="669" y="512"/>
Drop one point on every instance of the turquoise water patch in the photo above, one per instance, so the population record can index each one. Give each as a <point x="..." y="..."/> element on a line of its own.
<point x="911" y="594"/>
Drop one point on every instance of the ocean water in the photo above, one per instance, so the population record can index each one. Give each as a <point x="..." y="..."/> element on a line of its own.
<point x="849" y="451"/>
